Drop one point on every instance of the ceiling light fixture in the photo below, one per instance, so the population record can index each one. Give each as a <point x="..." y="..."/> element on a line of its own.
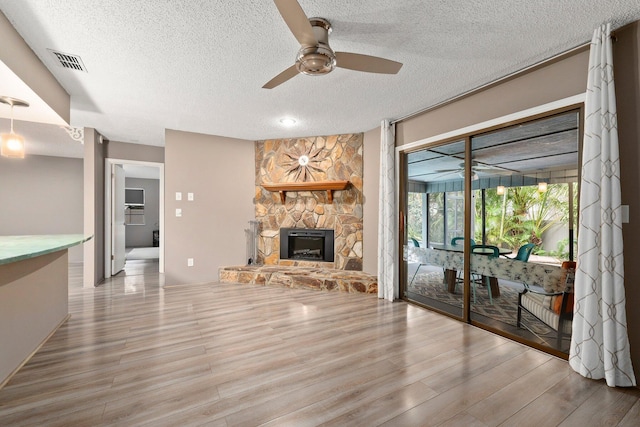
<point x="288" y="121"/>
<point x="542" y="187"/>
<point x="12" y="144"/>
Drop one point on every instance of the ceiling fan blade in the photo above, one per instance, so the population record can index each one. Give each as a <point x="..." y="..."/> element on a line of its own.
<point x="297" y="21"/>
<point x="493" y="169"/>
<point x="287" y="74"/>
<point x="369" y="64"/>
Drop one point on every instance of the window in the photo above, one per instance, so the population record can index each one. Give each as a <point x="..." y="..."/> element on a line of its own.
<point x="134" y="206"/>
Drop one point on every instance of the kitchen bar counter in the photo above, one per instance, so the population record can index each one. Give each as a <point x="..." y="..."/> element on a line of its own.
<point x="18" y="248"/>
<point x="34" y="281"/>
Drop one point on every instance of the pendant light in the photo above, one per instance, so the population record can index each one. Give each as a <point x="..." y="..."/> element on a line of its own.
<point x="12" y="143"/>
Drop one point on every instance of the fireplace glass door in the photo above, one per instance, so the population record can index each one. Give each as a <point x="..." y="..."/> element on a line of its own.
<point x="307" y="244"/>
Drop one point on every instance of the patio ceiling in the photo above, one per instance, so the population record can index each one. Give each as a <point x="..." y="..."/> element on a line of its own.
<point x="535" y="148"/>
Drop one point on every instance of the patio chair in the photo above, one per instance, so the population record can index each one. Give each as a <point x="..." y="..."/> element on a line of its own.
<point x="492" y="252"/>
<point x="417" y="245"/>
<point x="454" y="242"/>
<point x="523" y="253"/>
<point x="553" y="307"/>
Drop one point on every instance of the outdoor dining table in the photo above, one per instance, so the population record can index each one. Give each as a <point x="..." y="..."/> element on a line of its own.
<point x="450" y="275"/>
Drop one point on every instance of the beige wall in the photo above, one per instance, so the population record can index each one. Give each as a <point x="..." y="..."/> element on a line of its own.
<point x="138" y="152"/>
<point x="558" y="80"/>
<point x="33" y="303"/>
<point x="371" y="186"/>
<point x="627" y="74"/>
<point x="221" y="173"/>
<point x="18" y="56"/>
<point x="42" y="195"/>
<point x="94" y="155"/>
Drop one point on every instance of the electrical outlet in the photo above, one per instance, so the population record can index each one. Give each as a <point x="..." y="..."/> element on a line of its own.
<point x="178" y="195"/>
<point x="190" y="197"/>
<point x="189" y="262"/>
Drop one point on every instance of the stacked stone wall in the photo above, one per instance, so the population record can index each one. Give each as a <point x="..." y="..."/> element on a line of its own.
<point x="330" y="158"/>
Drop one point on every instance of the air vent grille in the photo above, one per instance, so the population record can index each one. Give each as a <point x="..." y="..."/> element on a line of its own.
<point x="67" y="60"/>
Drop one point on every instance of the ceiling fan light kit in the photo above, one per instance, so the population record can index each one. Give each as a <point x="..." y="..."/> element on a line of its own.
<point x="315" y="57"/>
<point x="315" y="61"/>
<point x="318" y="59"/>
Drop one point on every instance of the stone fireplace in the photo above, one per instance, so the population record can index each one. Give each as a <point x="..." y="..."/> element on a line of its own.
<point x="312" y="159"/>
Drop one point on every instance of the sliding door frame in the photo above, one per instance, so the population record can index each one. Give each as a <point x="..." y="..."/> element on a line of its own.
<point x="557" y="107"/>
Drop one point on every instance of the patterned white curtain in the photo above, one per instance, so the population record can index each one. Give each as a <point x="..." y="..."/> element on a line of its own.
<point x="387" y="283"/>
<point x="599" y="342"/>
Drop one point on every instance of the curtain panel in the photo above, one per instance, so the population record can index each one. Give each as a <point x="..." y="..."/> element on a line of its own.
<point x="599" y="342"/>
<point x="387" y="260"/>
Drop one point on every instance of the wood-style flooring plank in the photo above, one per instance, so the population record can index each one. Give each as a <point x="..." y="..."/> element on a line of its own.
<point x="393" y="382"/>
<point x="605" y="407"/>
<point x="456" y="399"/>
<point x="384" y="408"/>
<point x="632" y="417"/>
<point x="136" y="352"/>
<point x="496" y="408"/>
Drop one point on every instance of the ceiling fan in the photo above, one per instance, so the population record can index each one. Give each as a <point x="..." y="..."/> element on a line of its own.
<point x="475" y="168"/>
<point x="315" y="56"/>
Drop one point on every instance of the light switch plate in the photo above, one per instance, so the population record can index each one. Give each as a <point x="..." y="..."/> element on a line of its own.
<point x="190" y="197"/>
<point x="178" y="195"/>
<point x="625" y="214"/>
<point x="189" y="262"/>
<point x="178" y="212"/>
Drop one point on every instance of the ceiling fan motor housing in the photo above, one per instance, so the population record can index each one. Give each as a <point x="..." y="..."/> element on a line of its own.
<point x="316" y="60"/>
<point x="319" y="59"/>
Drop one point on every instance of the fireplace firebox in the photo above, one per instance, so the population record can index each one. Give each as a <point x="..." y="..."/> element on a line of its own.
<point x="309" y="244"/>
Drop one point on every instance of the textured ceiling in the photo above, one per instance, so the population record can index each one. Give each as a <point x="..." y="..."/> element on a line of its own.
<point x="200" y="65"/>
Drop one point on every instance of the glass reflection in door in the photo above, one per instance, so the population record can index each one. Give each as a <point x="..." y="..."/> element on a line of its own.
<point x="524" y="210"/>
<point x="435" y="227"/>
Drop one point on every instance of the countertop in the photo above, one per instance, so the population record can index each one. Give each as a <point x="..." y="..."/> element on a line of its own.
<point x="18" y="248"/>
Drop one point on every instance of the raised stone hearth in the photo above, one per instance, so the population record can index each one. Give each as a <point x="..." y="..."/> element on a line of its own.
<point x="322" y="279"/>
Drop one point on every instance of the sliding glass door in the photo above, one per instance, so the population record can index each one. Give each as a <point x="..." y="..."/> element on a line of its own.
<point x="436" y="227"/>
<point x="490" y="228"/>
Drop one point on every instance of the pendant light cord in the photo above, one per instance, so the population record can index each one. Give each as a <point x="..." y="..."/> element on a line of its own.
<point x="12" y="118"/>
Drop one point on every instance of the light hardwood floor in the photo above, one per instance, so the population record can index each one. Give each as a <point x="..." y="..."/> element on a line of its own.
<point x="137" y="353"/>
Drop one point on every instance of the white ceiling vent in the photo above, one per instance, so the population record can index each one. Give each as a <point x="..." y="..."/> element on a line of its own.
<point x="67" y="60"/>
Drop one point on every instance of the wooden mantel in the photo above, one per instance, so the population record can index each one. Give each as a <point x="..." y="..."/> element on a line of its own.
<point x="328" y="186"/>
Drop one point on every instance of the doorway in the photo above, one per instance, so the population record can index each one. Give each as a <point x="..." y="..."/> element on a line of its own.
<point x="134" y="217"/>
<point x="490" y="220"/>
